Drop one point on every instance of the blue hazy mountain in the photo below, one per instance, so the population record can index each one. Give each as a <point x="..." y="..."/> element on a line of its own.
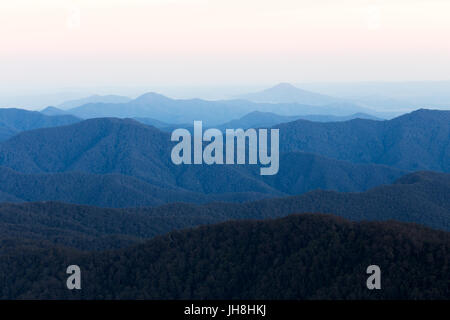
<point x="126" y="147"/>
<point x="258" y="119"/>
<point x="164" y="126"/>
<point x="102" y="190"/>
<point x="287" y="93"/>
<point x="6" y="131"/>
<point x="153" y="122"/>
<point x="313" y="156"/>
<point x="13" y="121"/>
<point x="164" y="109"/>
<point x="377" y="101"/>
<point x="53" y="111"/>
<point x="198" y="184"/>
<point x="181" y="111"/>
<point x="167" y="127"/>
<point x="93" y="99"/>
<point x="419" y="140"/>
<point x="389" y="94"/>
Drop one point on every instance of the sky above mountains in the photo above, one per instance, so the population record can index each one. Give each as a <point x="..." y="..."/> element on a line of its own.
<point x="55" y="44"/>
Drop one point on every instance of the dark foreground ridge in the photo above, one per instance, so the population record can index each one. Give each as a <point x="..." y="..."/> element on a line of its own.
<point x="309" y="256"/>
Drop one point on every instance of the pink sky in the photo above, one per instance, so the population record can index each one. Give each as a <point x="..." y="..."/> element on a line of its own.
<point x="57" y="43"/>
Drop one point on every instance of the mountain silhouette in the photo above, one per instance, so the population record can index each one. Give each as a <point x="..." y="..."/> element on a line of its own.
<point x="53" y="111"/>
<point x="13" y="121"/>
<point x="93" y="99"/>
<point x="258" y="119"/>
<point x="419" y="140"/>
<point x="287" y="93"/>
<point x="181" y="111"/>
<point x="127" y="147"/>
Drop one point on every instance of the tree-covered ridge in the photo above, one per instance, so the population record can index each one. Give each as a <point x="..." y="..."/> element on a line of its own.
<point x="59" y="163"/>
<point x="141" y="155"/>
<point x="419" y="140"/>
<point x="420" y="197"/>
<point x="14" y="121"/>
<point x="307" y="256"/>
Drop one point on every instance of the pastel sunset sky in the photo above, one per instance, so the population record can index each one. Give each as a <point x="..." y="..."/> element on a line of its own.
<point x="58" y="43"/>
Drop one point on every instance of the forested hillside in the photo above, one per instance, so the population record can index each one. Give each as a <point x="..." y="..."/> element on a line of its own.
<point x="419" y="140"/>
<point x="14" y="121"/>
<point x="142" y="153"/>
<point x="297" y="257"/>
<point x="419" y="197"/>
<point x="104" y="190"/>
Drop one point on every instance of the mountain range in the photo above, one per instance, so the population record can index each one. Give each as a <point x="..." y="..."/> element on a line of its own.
<point x="162" y="108"/>
<point x="93" y="99"/>
<point x="258" y="119"/>
<point x="131" y="149"/>
<point x="53" y="111"/>
<point x="420" y="197"/>
<point x="309" y="256"/>
<point x="13" y="121"/>
<point x="350" y="156"/>
<point x="287" y="93"/>
<point x="419" y="140"/>
<point x="102" y="193"/>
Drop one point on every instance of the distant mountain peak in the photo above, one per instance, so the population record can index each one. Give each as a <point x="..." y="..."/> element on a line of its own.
<point x="95" y="98"/>
<point x="426" y="114"/>
<point x="53" y="111"/>
<point x="287" y="88"/>
<point x="284" y="85"/>
<point x="151" y="97"/>
<point x="285" y="92"/>
<point x="426" y="111"/>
